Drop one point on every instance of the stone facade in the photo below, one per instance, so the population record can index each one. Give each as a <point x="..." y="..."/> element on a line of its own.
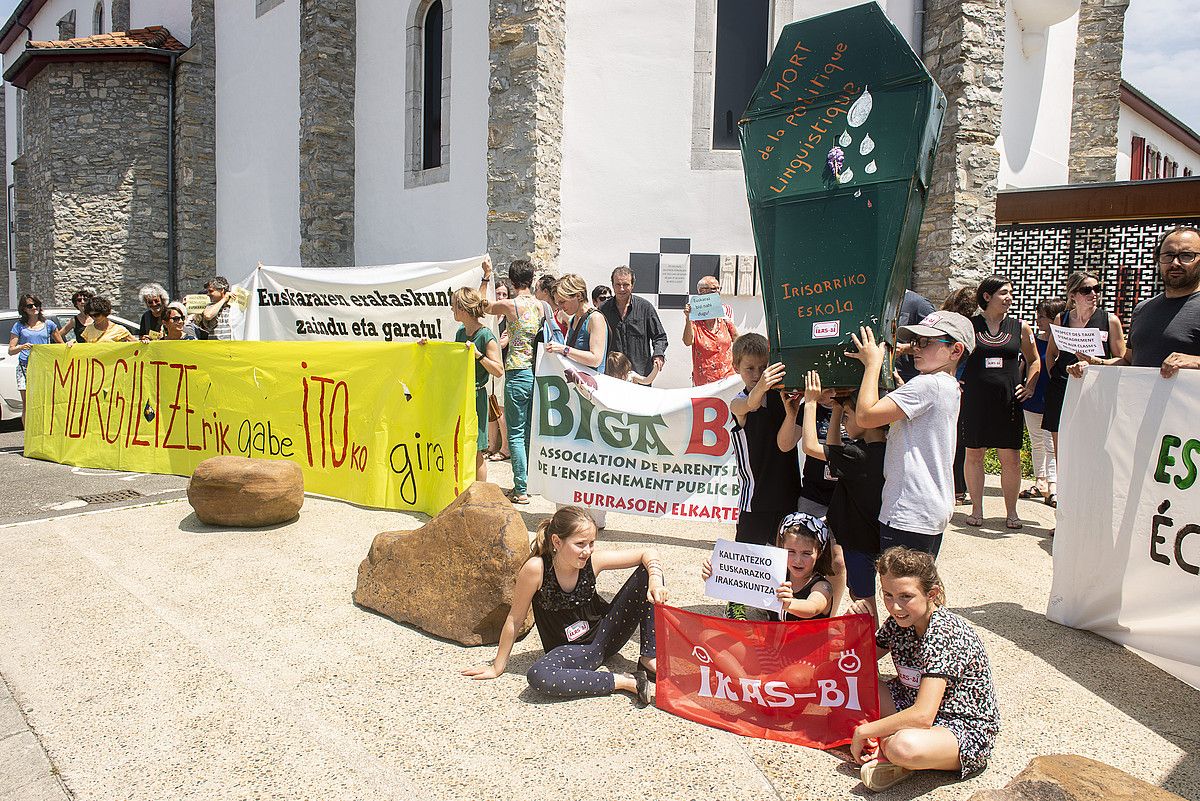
<point x="120" y="15"/>
<point x="327" y="75"/>
<point x="5" y="301"/>
<point x="525" y="112"/>
<point x="1097" y="93"/>
<point x="196" y="154"/>
<point x="964" y="51"/>
<point x="91" y="186"/>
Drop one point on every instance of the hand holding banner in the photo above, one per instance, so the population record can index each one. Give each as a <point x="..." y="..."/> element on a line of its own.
<point x="808" y="683"/>
<point x="747" y="574"/>
<point x="1089" y="341"/>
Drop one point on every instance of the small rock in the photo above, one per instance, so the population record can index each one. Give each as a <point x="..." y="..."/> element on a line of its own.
<point x="454" y="576"/>
<point x="238" y="492"/>
<point x="1066" y="777"/>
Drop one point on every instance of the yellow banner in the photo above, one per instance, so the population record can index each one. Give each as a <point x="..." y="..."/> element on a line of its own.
<point x="390" y="425"/>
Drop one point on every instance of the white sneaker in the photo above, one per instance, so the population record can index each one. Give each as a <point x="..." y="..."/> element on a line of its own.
<point x="878" y="775"/>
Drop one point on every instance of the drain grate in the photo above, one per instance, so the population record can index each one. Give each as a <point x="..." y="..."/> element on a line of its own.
<point x="111" y="497"/>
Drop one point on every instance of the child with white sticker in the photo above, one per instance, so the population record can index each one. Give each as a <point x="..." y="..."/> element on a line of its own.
<point x="807" y="594"/>
<point x="940" y="711"/>
<point x="579" y="629"/>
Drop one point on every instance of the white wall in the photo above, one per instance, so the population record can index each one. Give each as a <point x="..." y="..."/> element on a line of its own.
<point x="258" y="137"/>
<point x="443" y="220"/>
<point x="627" y="175"/>
<point x="1035" y="137"/>
<point x="174" y="15"/>
<point x="1131" y="124"/>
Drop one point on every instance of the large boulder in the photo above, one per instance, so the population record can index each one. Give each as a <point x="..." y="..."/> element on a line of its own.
<point x="246" y="493"/>
<point x="454" y="576"/>
<point x="1066" y="777"/>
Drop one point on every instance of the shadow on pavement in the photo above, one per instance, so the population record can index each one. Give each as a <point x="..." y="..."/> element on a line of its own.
<point x="1109" y="671"/>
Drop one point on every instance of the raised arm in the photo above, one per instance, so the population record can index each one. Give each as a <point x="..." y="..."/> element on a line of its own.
<point x="872" y="411"/>
<point x="771" y="378"/>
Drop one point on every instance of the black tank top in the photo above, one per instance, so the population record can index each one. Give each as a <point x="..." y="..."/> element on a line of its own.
<point x="567" y="617"/>
<point x="803" y="593"/>
<point x="1098" y="320"/>
<point x="995" y="359"/>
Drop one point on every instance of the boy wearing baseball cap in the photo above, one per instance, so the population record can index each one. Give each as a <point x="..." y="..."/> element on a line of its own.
<point x="918" y="488"/>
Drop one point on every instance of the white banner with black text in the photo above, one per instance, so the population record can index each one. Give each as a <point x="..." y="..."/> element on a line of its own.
<point x="1127" y="546"/>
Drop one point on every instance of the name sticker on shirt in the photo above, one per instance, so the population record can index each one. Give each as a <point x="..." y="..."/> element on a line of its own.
<point x="576" y="630"/>
<point x="909" y="677"/>
<point x="993" y="361"/>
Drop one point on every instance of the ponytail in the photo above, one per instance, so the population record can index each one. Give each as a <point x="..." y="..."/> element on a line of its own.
<point x="564" y="523"/>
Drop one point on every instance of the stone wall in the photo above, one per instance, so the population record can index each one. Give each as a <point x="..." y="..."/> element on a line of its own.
<point x="196" y="154"/>
<point x="5" y="301"/>
<point x="525" y="111"/>
<point x="91" y="187"/>
<point x="964" y="51"/>
<point x="120" y="15"/>
<point x="327" y="73"/>
<point x="1097" y="97"/>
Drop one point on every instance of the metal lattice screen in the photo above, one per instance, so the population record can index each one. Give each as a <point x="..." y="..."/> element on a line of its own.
<point x="1038" y="258"/>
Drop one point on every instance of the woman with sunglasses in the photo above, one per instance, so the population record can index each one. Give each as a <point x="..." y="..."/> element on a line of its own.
<point x="1083" y="311"/>
<point x="82" y="319"/>
<point x="175" y="318"/>
<point x="994" y="385"/>
<point x="32" y="329"/>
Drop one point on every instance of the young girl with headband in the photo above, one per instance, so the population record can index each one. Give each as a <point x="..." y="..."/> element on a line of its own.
<point x="579" y="629"/>
<point x="807" y="594"/>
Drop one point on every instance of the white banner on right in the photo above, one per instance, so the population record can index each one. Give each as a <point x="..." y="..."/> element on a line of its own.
<point x="1127" y="548"/>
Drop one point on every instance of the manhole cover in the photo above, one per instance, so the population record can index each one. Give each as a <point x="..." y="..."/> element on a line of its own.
<point x="111" y="497"/>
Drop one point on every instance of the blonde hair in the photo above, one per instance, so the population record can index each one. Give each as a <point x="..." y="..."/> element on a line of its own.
<point x="470" y="301"/>
<point x="571" y="285"/>
<point x="901" y="562"/>
<point x="564" y="524"/>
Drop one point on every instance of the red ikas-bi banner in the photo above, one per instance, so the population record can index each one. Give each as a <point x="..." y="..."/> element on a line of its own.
<point x="808" y="682"/>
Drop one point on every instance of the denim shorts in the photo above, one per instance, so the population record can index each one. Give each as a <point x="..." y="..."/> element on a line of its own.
<point x="21" y="374"/>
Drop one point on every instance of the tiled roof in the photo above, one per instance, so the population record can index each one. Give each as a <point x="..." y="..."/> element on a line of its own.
<point x="155" y="36"/>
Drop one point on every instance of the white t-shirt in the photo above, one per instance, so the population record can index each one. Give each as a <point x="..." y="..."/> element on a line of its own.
<point x="918" y="467"/>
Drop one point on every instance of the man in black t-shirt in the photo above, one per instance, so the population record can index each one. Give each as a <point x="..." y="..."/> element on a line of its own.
<point x="1165" y="329"/>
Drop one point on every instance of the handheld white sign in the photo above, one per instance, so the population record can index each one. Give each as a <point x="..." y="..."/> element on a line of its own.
<point x="747" y="574"/>
<point x="1079" y="340"/>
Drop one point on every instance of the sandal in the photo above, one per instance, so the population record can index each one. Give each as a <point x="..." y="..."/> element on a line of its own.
<point x="497" y="456"/>
<point x="523" y="500"/>
<point x="973" y="521"/>
<point x="653" y="674"/>
<point x="1013" y="523"/>
<point x="962" y="499"/>
<point x="643" y="689"/>
<point x="1052" y="500"/>
<point x="1031" y="492"/>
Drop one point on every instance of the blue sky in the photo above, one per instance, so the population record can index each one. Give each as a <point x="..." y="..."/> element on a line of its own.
<point x="1167" y="68"/>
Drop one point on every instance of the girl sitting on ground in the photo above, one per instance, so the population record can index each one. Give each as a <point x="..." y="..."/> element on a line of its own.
<point x="807" y="594"/>
<point x="579" y="629"/>
<point x="940" y="711"/>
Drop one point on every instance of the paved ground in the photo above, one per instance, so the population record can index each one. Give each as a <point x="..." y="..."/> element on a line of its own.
<point x="156" y="658"/>
<point x="34" y="489"/>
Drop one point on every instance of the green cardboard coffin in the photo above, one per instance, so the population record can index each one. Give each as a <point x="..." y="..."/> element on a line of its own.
<point x="837" y="145"/>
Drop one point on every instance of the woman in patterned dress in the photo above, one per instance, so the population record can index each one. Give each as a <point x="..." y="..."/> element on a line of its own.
<point x="940" y="711"/>
<point x="993" y="389"/>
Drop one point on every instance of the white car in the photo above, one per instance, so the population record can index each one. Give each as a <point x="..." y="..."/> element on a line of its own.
<point x="10" y="398"/>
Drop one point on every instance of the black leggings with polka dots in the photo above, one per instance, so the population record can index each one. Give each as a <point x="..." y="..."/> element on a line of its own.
<point x="571" y="671"/>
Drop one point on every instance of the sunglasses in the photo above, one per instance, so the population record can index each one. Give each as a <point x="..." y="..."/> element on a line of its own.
<point x="1089" y="290"/>
<point x="921" y="343"/>
<point x="174" y="318"/>
<point x="31" y="306"/>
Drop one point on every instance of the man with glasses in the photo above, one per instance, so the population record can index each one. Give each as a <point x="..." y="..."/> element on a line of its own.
<point x="1165" y="329"/>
